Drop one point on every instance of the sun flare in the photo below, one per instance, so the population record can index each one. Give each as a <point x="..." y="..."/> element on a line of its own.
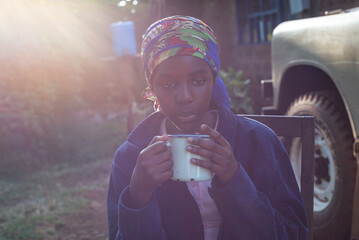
<point x="42" y="40"/>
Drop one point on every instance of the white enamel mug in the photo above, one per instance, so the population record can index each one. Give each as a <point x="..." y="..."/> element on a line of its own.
<point x="183" y="169"/>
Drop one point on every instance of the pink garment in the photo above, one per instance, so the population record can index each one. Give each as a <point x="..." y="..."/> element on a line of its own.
<point x="207" y="208"/>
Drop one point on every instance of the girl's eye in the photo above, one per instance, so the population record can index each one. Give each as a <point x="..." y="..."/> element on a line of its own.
<point x="198" y="82"/>
<point x="168" y="84"/>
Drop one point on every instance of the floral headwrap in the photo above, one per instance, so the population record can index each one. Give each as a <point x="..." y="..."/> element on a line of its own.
<point x="176" y="36"/>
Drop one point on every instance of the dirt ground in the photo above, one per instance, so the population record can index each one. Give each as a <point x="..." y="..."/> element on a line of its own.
<point x="89" y="223"/>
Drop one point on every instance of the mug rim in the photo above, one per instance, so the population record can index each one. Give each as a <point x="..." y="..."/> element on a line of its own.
<point x="188" y="135"/>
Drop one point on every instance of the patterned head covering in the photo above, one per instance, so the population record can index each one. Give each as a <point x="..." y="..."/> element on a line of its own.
<point x="177" y="36"/>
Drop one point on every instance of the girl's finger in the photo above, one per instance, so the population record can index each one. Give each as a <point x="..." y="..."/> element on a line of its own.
<point x="162" y="157"/>
<point x="164" y="166"/>
<point x="208" y="144"/>
<point x="156" y="147"/>
<point x="164" y="176"/>
<point x="159" y="138"/>
<point x="211" y="155"/>
<point x="214" y="135"/>
<point x="202" y="142"/>
<point x="203" y="163"/>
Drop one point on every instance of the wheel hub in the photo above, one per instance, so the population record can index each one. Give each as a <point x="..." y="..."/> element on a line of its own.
<point x="321" y="167"/>
<point x="324" y="173"/>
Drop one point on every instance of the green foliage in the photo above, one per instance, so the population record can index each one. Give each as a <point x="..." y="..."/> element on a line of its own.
<point x="31" y="144"/>
<point x="37" y="208"/>
<point x="21" y="229"/>
<point x="46" y="125"/>
<point x="238" y="91"/>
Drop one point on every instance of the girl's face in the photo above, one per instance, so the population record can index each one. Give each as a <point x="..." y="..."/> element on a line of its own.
<point x="183" y="86"/>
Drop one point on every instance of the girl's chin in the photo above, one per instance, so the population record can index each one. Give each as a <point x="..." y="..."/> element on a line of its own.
<point x="182" y="128"/>
<point x="189" y="131"/>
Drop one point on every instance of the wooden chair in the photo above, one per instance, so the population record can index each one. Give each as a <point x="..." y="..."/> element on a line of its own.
<point x="303" y="127"/>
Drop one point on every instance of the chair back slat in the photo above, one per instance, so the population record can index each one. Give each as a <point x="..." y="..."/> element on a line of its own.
<point x="303" y="127"/>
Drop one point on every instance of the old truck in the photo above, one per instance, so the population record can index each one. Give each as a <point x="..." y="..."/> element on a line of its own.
<point x="315" y="71"/>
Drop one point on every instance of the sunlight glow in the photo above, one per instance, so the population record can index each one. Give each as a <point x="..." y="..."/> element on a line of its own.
<point x="45" y="40"/>
<point x="122" y="3"/>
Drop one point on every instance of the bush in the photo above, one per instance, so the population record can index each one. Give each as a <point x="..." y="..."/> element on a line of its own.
<point x="238" y="91"/>
<point x="32" y="141"/>
<point x="45" y="123"/>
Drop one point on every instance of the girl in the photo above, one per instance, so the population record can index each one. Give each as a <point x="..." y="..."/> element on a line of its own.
<point x="253" y="194"/>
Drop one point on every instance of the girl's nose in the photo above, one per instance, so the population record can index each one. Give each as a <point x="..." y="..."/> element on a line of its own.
<point x="184" y="94"/>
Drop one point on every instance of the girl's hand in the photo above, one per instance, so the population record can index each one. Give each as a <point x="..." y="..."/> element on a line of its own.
<point x="153" y="167"/>
<point x="219" y="152"/>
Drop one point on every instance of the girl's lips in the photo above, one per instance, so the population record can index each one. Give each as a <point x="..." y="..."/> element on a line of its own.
<point x="186" y="117"/>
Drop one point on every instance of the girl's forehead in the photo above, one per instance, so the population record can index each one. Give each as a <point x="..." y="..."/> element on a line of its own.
<point x="182" y="65"/>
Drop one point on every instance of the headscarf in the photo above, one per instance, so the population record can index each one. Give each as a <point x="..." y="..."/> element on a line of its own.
<point x="178" y="36"/>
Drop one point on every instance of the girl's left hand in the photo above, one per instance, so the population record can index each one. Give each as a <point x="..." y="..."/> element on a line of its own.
<point x="219" y="152"/>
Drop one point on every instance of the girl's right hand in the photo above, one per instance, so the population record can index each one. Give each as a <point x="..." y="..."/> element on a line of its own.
<point x="153" y="167"/>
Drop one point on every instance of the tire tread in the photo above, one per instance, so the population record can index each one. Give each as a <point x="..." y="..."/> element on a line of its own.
<point x="328" y="105"/>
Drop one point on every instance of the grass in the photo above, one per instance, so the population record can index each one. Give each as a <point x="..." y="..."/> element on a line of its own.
<point x="32" y="207"/>
<point x="22" y="212"/>
<point x="21" y="229"/>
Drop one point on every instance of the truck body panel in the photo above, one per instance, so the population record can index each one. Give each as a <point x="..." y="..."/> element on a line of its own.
<point x="317" y="42"/>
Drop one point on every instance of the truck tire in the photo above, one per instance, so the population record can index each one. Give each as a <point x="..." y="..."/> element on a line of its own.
<point x="334" y="163"/>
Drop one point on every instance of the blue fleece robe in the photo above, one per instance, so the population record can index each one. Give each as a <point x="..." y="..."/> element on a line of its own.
<point x="262" y="201"/>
